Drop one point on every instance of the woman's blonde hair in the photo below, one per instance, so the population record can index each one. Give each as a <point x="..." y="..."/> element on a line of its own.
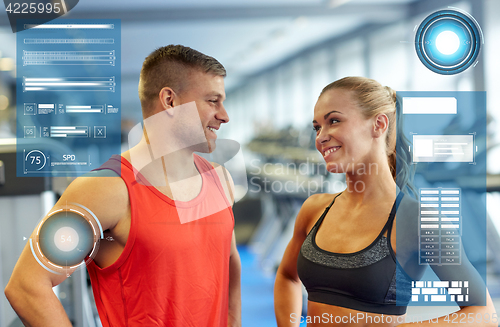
<point x="373" y="99"/>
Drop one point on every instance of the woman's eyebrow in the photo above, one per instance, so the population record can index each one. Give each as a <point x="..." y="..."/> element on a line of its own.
<point x="328" y="114"/>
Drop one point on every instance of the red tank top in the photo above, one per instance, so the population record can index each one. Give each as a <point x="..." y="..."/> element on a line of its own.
<point x="173" y="271"/>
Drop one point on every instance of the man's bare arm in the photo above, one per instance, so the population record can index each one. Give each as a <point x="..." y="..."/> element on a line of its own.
<point x="234" y="286"/>
<point x="29" y="290"/>
<point x="234" y="318"/>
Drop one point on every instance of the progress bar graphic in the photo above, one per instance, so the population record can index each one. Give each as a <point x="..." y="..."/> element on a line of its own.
<point x="85" y="109"/>
<point x="67" y="41"/>
<point x="440" y="226"/>
<point x="69" y="26"/>
<point x="69" y="58"/>
<point x="106" y="84"/>
<point x="69" y="131"/>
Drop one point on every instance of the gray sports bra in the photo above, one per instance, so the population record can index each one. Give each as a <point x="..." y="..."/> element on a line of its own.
<point x="364" y="280"/>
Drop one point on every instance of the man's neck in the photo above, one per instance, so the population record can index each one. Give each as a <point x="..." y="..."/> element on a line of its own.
<point x="179" y="166"/>
<point x="175" y="174"/>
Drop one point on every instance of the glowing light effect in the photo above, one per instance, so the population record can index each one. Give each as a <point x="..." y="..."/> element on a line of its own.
<point x="447" y="42"/>
<point x="66" y="239"/>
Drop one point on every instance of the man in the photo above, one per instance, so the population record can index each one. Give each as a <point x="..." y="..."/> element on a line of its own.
<point x="169" y="255"/>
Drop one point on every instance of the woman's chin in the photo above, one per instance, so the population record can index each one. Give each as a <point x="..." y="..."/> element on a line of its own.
<point x="334" y="168"/>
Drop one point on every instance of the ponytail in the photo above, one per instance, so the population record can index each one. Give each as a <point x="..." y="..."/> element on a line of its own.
<point x="404" y="170"/>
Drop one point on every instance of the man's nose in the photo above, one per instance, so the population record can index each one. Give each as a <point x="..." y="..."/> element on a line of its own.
<point x="222" y="114"/>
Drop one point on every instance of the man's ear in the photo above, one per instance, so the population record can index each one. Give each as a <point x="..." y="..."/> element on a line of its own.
<point x="167" y="97"/>
<point x="380" y="125"/>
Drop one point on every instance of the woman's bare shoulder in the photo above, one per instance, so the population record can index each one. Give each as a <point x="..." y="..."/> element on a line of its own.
<point x="312" y="208"/>
<point x="320" y="200"/>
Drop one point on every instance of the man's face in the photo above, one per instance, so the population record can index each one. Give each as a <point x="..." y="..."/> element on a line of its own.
<point x="207" y="91"/>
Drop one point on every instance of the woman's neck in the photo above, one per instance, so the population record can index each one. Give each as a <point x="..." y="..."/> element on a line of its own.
<point x="374" y="183"/>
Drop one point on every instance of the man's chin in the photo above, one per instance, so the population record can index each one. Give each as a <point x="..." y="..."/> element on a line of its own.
<point x="211" y="146"/>
<point x="207" y="147"/>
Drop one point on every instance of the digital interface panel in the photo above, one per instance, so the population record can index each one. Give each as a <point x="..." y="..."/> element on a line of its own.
<point x="68" y="98"/>
<point x="440" y="291"/>
<point x="442" y="148"/>
<point x="440" y="226"/>
<point x="441" y="222"/>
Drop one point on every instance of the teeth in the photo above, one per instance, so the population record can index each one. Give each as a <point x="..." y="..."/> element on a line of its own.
<point x="327" y="152"/>
<point x="212" y="129"/>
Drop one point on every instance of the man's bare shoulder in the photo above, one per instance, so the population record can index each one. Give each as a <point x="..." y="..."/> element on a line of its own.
<point x="98" y="185"/>
<point x="106" y="197"/>
<point x="226" y="180"/>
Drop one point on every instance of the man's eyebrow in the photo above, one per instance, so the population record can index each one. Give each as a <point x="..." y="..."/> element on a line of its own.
<point x="326" y="116"/>
<point x="216" y="94"/>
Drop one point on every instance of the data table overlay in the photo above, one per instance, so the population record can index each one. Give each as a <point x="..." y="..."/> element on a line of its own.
<point x="68" y="96"/>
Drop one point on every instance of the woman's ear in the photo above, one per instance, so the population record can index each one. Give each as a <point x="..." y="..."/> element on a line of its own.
<point x="380" y="125"/>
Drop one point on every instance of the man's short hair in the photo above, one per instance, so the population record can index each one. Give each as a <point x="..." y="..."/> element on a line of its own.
<point x="170" y="66"/>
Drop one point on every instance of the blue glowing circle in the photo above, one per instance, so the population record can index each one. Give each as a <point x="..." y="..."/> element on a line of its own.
<point x="452" y="22"/>
<point x="66" y="238"/>
<point x="447" y="42"/>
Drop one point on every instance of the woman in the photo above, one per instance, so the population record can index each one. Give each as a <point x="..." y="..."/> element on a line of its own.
<point x="343" y="246"/>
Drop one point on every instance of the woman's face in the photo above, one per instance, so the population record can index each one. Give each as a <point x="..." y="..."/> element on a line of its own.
<point x="343" y="135"/>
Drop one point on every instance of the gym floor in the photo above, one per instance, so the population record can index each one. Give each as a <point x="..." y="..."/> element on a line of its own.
<point x="256" y="292"/>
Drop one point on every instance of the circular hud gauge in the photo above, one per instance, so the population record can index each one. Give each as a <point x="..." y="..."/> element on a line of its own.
<point x="448" y="41"/>
<point x="35" y="160"/>
<point x="67" y="238"/>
